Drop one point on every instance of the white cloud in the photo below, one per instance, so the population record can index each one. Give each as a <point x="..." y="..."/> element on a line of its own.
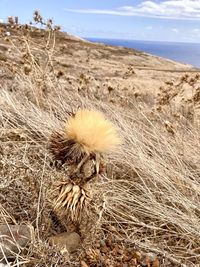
<point x="196" y="30"/>
<point x="1" y="20"/>
<point x="168" y="9"/>
<point x="175" y="30"/>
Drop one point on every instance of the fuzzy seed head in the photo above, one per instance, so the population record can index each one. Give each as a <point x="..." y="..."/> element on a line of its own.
<point x="92" y="131"/>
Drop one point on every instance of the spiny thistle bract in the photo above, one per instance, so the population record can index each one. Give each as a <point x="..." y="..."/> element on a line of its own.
<point x="87" y="135"/>
<point x="71" y="200"/>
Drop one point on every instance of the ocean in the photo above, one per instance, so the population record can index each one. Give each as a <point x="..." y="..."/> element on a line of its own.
<point x="188" y="53"/>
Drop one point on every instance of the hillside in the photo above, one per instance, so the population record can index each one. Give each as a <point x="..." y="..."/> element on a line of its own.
<point x="101" y="70"/>
<point x="145" y="207"/>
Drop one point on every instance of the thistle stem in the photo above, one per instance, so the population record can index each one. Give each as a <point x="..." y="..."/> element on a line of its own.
<point x="85" y="158"/>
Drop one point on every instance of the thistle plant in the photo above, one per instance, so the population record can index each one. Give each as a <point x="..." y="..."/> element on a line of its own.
<point x="86" y="137"/>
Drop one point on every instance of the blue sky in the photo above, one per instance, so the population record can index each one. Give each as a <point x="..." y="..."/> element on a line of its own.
<point x="168" y="20"/>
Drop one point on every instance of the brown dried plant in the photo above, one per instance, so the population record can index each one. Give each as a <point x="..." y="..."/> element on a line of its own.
<point x="35" y="59"/>
<point x="87" y="135"/>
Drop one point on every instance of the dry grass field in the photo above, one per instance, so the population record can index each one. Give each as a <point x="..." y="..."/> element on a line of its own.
<point x="148" y="200"/>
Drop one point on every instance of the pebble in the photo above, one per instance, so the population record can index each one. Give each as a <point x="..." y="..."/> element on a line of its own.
<point x="83" y="264"/>
<point x="150" y="259"/>
<point x="156" y="263"/>
<point x="13" y="239"/>
<point x="66" y="242"/>
<point x="137" y="255"/>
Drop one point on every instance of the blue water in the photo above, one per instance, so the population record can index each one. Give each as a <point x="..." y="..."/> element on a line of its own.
<point x="188" y="53"/>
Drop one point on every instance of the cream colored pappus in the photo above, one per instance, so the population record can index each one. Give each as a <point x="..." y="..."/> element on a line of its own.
<point x="92" y="131"/>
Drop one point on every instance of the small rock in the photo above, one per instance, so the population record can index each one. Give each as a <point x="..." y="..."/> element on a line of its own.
<point x="156" y="263"/>
<point x="104" y="249"/>
<point x="83" y="264"/>
<point x="13" y="239"/>
<point x="66" y="241"/>
<point x="133" y="263"/>
<point x="137" y="255"/>
<point x="102" y="243"/>
<point x="152" y="257"/>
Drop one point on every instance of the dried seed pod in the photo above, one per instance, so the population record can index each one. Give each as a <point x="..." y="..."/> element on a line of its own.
<point x="86" y="137"/>
<point x="70" y="200"/>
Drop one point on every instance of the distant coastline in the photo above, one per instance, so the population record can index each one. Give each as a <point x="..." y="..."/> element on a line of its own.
<point x="188" y="53"/>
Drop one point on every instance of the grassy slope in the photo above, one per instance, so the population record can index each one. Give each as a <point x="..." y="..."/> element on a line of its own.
<point x="150" y="195"/>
